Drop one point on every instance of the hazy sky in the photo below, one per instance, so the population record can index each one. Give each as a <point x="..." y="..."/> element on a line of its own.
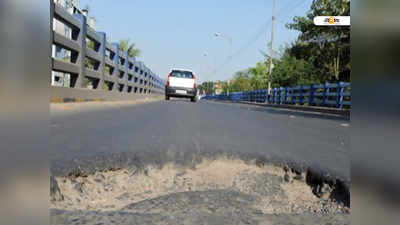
<point x="177" y="33"/>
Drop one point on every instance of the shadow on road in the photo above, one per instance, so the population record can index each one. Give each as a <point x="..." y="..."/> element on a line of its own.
<point x="289" y="112"/>
<point x="303" y="114"/>
<point x="181" y="100"/>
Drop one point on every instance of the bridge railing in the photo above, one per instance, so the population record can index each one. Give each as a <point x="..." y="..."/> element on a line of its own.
<point x="94" y="61"/>
<point x="336" y="95"/>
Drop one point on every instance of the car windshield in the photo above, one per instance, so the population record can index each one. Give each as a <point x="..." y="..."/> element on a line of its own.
<point x="182" y="74"/>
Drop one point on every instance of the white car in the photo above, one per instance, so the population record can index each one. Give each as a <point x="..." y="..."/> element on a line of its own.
<point x="181" y="84"/>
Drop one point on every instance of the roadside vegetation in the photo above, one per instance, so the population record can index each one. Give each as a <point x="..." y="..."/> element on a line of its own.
<point x="127" y="45"/>
<point x="320" y="54"/>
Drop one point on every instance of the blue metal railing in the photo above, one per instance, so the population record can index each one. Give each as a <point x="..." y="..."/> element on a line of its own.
<point x="336" y="95"/>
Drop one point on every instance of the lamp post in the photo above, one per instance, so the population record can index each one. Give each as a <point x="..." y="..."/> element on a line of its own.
<point x="229" y="39"/>
<point x="271" y="65"/>
<point x="203" y="68"/>
<point x="211" y="68"/>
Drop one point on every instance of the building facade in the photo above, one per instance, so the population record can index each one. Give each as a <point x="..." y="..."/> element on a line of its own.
<point x="218" y="88"/>
<point x="73" y="7"/>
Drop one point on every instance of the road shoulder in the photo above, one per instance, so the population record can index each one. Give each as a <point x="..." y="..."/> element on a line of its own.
<point x="67" y="108"/>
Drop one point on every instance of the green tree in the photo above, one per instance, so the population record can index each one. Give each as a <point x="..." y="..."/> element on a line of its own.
<point x="290" y="71"/>
<point x="207" y="87"/>
<point x="319" y="54"/>
<point x="240" y="82"/>
<point x="327" y="48"/>
<point x="259" y="75"/>
<point x="126" y="45"/>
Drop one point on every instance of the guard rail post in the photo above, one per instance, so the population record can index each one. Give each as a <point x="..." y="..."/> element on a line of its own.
<point x="116" y="66"/>
<point x="81" y="60"/>
<point x="102" y="66"/>
<point x="311" y="98"/>
<point x="325" y="94"/>
<point x="125" y="55"/>
<point x="340" y="91"/>
<point x="301" y="95"/>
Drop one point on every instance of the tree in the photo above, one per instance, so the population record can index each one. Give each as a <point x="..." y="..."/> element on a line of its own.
<point x="240" y="82"/>
<point x="125" y="45"/>
<point x="290" y="71"/>
<point x="327" y="48"/>
<point x="259" y="75"/>
<point x="207" y="87"/>
<point x="319" y="54"/>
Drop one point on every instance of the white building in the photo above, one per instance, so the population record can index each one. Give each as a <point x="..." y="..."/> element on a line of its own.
<point x="72" y="7"/>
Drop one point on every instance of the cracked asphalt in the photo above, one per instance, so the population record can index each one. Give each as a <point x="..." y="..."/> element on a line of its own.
<point x="96" y="138"/>
<point x="179" y="129"/>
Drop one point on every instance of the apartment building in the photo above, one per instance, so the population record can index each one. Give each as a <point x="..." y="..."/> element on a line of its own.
<point x="71" y="6"/>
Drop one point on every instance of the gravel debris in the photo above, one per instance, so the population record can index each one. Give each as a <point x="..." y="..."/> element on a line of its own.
<point x="223" y="191"/>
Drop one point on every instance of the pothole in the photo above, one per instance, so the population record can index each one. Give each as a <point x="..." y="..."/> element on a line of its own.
<point x="211" y="185"/>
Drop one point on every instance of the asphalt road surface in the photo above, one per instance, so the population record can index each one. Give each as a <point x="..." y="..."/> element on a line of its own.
<point x="170" y="128"/>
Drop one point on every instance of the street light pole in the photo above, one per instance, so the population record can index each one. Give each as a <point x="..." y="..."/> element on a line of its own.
<point x="215" y="66"/>
<point x="230" y="44"/>
<point x="203" y="69"/>
<point x="271" y="48"/>
<point x="230" y="50"/>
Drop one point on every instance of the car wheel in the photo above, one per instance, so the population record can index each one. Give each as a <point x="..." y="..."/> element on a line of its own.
<point x="167" y="97"/>
<point x="193" y="99"/>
